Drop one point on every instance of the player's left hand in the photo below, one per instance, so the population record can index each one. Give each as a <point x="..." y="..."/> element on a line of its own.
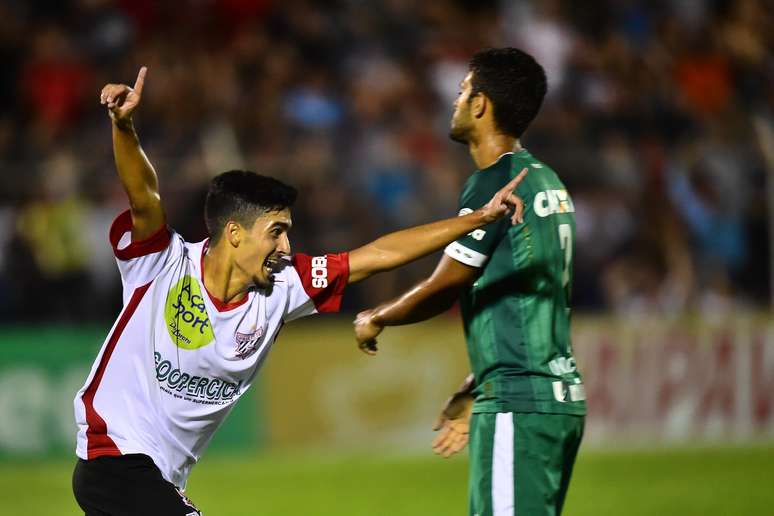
<point x="453" y="425"/>
<point x="366" y="331"/>
<point x="506" y="200"/>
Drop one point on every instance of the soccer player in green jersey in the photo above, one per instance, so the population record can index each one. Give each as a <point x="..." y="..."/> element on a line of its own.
<point x="524" y="404"/>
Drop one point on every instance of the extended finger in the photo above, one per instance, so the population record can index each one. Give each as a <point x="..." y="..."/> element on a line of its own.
<point x="438" y="442"/>
<point x="443" y="437"/>
<point x="459" y="443"/>
<point x="449" y="450"/>
<point x="462" y="438"/>
<point x="513" y="183"/>
<point x="443" y="434"/>
<point x="519" y="178"/>
<point x="518" y="208"/>
<point x="449" y="444"/>
<point x="442" y="448"/>
<point x="138" y="84"/>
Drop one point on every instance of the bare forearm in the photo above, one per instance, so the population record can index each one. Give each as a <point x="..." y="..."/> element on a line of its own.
<point x="137" y="174"/>
<point x="418" y="304"/>
<point x="401" y="247"/>
<point x="427" y="299"/>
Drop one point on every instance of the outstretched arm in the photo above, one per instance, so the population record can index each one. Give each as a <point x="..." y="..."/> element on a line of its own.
<point x="135" y="171"/>
<point x="401" y="247"/>
<point x="429" y="297"/>
<point x="426" y="299"/>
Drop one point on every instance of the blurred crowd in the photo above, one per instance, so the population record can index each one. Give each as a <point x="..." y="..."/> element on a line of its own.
<point x="655" y="119"/>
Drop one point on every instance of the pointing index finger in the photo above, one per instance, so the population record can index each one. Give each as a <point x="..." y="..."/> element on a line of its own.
<point x="513" y="183"/>
<point x="138" y="84"/>
<point x="518" y="179"/>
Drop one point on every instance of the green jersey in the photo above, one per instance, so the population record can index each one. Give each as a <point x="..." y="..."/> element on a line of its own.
<point x="517" y="314"/>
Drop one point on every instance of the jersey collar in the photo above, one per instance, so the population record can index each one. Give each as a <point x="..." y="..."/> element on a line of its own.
<point x="217" y="303"/>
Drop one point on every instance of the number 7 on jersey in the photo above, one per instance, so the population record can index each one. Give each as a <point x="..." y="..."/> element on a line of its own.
<point x="565" y="241"/>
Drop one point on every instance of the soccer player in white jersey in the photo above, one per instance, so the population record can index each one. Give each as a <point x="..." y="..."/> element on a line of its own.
<point x="199" y="319"/>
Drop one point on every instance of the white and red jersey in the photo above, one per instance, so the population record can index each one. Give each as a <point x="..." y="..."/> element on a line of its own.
<point x="177" y="359"/>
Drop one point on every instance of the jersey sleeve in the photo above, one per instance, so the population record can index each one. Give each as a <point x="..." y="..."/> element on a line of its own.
<point x="476" y="247"/>
<point x="141" y="261"/>
<point x="316" y="284"/>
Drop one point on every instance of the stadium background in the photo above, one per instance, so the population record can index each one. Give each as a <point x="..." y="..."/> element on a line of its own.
<point x="658" y="118"/>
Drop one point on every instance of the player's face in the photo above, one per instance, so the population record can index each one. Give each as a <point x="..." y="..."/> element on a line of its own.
<point x="265" y="245"/>
<point x="462" y="119"/>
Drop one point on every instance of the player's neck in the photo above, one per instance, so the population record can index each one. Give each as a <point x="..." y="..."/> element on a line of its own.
<point x="487" y="149"/>
<point x="221" y="278"/>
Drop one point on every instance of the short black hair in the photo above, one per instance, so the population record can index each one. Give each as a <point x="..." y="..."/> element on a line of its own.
<point x="514" y="82"/>
<point x="243" y="196"/>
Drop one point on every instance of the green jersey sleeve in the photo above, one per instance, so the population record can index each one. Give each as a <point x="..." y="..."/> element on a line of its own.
<point x="476" y="247"/>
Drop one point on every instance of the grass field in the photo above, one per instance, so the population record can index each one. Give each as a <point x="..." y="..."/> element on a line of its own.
<point x="712" y="481"/>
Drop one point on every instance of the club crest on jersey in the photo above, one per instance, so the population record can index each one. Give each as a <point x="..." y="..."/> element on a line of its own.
<point x="246" y="343"/>
<point x="185" y="315"/>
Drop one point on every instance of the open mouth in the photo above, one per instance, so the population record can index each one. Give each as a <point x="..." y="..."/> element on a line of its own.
<point x="271" y="265"/>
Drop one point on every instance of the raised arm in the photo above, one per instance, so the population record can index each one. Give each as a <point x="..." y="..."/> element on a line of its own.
<point x="401" y="247"/>
<point x="135" y="171"/>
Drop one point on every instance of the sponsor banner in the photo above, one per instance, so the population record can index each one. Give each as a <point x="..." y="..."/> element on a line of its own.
<point x="320" y="391"/>
<point x="645" y="381"/>
<point x="41" y="369"/>
<point x="677" y="381"/>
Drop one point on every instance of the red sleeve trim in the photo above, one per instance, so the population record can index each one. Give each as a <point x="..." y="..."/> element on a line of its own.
<point x="158" y="241"/>
<point x="323" y="283"/>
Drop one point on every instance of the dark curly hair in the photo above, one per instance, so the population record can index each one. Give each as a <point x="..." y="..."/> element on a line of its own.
<point x="242" y="196"/>
<point x="514" y="82"/>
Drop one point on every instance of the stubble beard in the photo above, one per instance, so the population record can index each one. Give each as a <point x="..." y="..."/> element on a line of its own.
<point x="459" y="134"/>
<point x="263" y="283"/>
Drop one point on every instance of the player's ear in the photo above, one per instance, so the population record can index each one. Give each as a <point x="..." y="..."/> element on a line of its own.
<point x="233" y="232"/>
<point x="479" y="105"/>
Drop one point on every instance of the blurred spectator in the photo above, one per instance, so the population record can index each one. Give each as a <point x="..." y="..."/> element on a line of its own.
<point x="648" y="121"/>
<point x="54" y="81"/>
<point x="51" y="227"/>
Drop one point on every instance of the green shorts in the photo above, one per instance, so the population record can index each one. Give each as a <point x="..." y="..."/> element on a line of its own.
<point x="521" y="463"/>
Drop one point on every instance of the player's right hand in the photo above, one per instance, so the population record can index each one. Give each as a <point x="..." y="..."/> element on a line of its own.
<point x="121" y="100"/>
<point x="506" y="200"/>
<point x="453" y="425"/>
<point x="366" y="331"/>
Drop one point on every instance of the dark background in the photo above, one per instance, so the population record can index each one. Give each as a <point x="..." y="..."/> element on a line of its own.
<point x="650" y="121"/>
